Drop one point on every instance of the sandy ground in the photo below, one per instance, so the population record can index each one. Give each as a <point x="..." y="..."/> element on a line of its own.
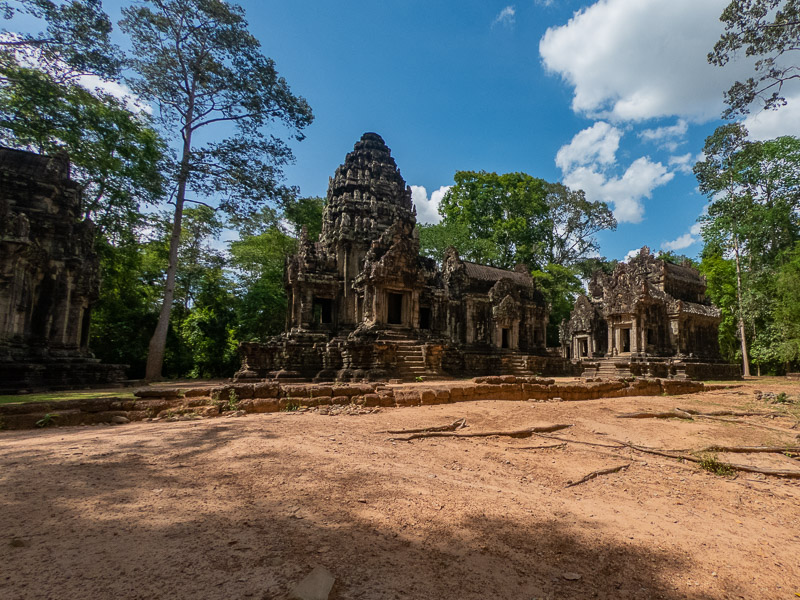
<point x="245" y="507"/>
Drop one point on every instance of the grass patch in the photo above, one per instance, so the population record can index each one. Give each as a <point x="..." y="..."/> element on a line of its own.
<point x="61" y="396"/>
<point x="712" y="464"/>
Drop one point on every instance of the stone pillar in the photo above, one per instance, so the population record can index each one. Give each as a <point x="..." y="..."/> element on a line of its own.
<point x="634" y="335"/>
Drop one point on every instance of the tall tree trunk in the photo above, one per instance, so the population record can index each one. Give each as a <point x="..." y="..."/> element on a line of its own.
<point x="158" y="343"/>
<point x="742" y="331"/>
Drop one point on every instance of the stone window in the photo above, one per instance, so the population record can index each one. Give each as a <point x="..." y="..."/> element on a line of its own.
<point x="323" y="311"/>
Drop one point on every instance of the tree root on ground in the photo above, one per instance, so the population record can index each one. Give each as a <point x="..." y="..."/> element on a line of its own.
<point x="594" y="474"/>
<point x="521" y="433"/>
<point x="561" y="445"/>
<point x="454" y="426"/>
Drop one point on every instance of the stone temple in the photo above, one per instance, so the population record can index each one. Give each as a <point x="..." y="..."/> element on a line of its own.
<point x="648" y="318"/>
<point x="364" y="304"/>
<point x="48" y="277"/>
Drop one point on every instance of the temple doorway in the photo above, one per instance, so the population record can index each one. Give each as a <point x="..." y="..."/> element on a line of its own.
<point x="395" y="308"/>
<point x="625" y="339"/>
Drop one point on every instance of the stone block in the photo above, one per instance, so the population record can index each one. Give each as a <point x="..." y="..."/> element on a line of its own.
<point x="266" y="389"/>
<point x="316" y="585"/>
<point x="340" y="400"/>
<point x="195" y="392"/>
<point x="155" y="392"/>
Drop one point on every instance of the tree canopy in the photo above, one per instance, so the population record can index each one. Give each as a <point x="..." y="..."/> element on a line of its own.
<point x="198" y="64"/>
<point x="769" y="30"/>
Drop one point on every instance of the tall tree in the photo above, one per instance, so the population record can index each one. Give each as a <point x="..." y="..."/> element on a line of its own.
<point x="514" y="217"/>
<point x="115" y="153"/>
<point x="769" y="30"/>
<point x="204" y="71"/>
<point x="76" y="40"/>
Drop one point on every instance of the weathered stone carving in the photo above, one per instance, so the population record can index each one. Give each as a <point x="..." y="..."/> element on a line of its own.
<point x="363" y="303"/>
<point x="48" y="277"/>
<point x="649" y="317"/>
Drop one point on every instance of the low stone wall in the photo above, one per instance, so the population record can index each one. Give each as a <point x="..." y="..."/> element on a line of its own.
<point x="271" y="396"/>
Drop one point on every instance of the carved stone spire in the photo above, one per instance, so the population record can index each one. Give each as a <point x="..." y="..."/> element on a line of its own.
<point x="366" y="196"/>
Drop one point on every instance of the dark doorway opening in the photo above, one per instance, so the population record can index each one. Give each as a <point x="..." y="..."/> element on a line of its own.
<point x="395" y="308"/>
<point x="424" y="317"/>
<point x="323" y="311"/>
<point x="625" y="335"/>
<point x="584" y="345"/>
<point x="505" y="343"/>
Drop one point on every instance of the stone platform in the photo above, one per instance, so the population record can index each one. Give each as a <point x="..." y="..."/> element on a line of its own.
<point x="271" y="396"/>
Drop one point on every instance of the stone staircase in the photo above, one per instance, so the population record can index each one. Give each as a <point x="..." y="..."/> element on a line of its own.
<point x="515" y="364"/>
<point x="608" y="369"/>
<point x="410" y="361"/>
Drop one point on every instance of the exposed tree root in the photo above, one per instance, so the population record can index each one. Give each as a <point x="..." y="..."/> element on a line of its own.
<point x="594" y="474"/>
<point x="520" y="433"/>
<point x="454" y="426"/>
<point x="730" y="413"/>
<point x="561" y="445"/>
<point x="673" y="414"/>
<point x="752" y="449"/>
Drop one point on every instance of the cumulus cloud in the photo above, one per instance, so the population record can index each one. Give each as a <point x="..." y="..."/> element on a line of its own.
<point x="668" y="137"/>
<point x="683" y="163"/>
<point x="507" y="17"/>
<point x="684" y="241"/>
<point x="596" y="144"/>
<point x="769" y="124"/>
<point x="427" y="208"/>
<point x="588" y="162"/>
<point x="629" y="60"/>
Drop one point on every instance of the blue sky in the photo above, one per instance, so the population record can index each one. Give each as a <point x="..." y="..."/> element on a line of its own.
<point x="612" y="96"/>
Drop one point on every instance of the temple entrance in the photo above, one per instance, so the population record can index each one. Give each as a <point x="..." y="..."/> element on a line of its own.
<point x="506" y="334"/>
<point x="424" y="317"/>
<point x="625" y="339"/>
<point x="394" y="308"/>
<point x="584" y="347"/>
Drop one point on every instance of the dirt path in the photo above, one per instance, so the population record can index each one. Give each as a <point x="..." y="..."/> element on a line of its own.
<point x="245" y="507"/>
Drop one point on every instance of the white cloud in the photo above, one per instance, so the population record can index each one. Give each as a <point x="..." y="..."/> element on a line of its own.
<point x="683" y="163"/>
<point x="631" y="60"/>
<point x="769" y="124"/>
<point x="684" y="241"/>
<point x="427" y="208"/>
<point x="631" y="254"/>
<point x="586" y="161"/>
<point x="687" y="239"/>
<point x="596" y="144"/>
<point x="507" y="17"/>
<point x="668" y="137"/>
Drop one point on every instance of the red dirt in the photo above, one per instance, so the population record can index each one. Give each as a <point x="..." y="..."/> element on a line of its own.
<point x="245" y="507"/>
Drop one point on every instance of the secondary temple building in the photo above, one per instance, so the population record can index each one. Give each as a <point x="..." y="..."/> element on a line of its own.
<point x="648" y="318"/>
<point x="364" y="304"/>
<point x="48" y="277"/>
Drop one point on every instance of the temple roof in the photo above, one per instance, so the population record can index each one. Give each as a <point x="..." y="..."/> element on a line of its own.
<point x="487" y="273"/>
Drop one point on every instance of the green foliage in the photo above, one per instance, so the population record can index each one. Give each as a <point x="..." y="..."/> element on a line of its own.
<point x="753" y="218"/>
<point x="561" y="286"/>
<point x="76" y="40"/>
<point x="787" y="308"/>
<point x="712" y="464"/>
<point x="258" y="261"/>
<point x="766" y="29"/>
<point x="720" y="274"/>
<point x="502" y="220"/>
<point x="115" y="154"/>
<point x="48" y="420"/>
<point x="292" y="404"/>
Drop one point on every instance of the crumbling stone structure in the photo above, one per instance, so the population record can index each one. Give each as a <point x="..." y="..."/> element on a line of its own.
<point x="364" y="304"/>
<point x="649" y="317"/>
<point x="48" y="277"/>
